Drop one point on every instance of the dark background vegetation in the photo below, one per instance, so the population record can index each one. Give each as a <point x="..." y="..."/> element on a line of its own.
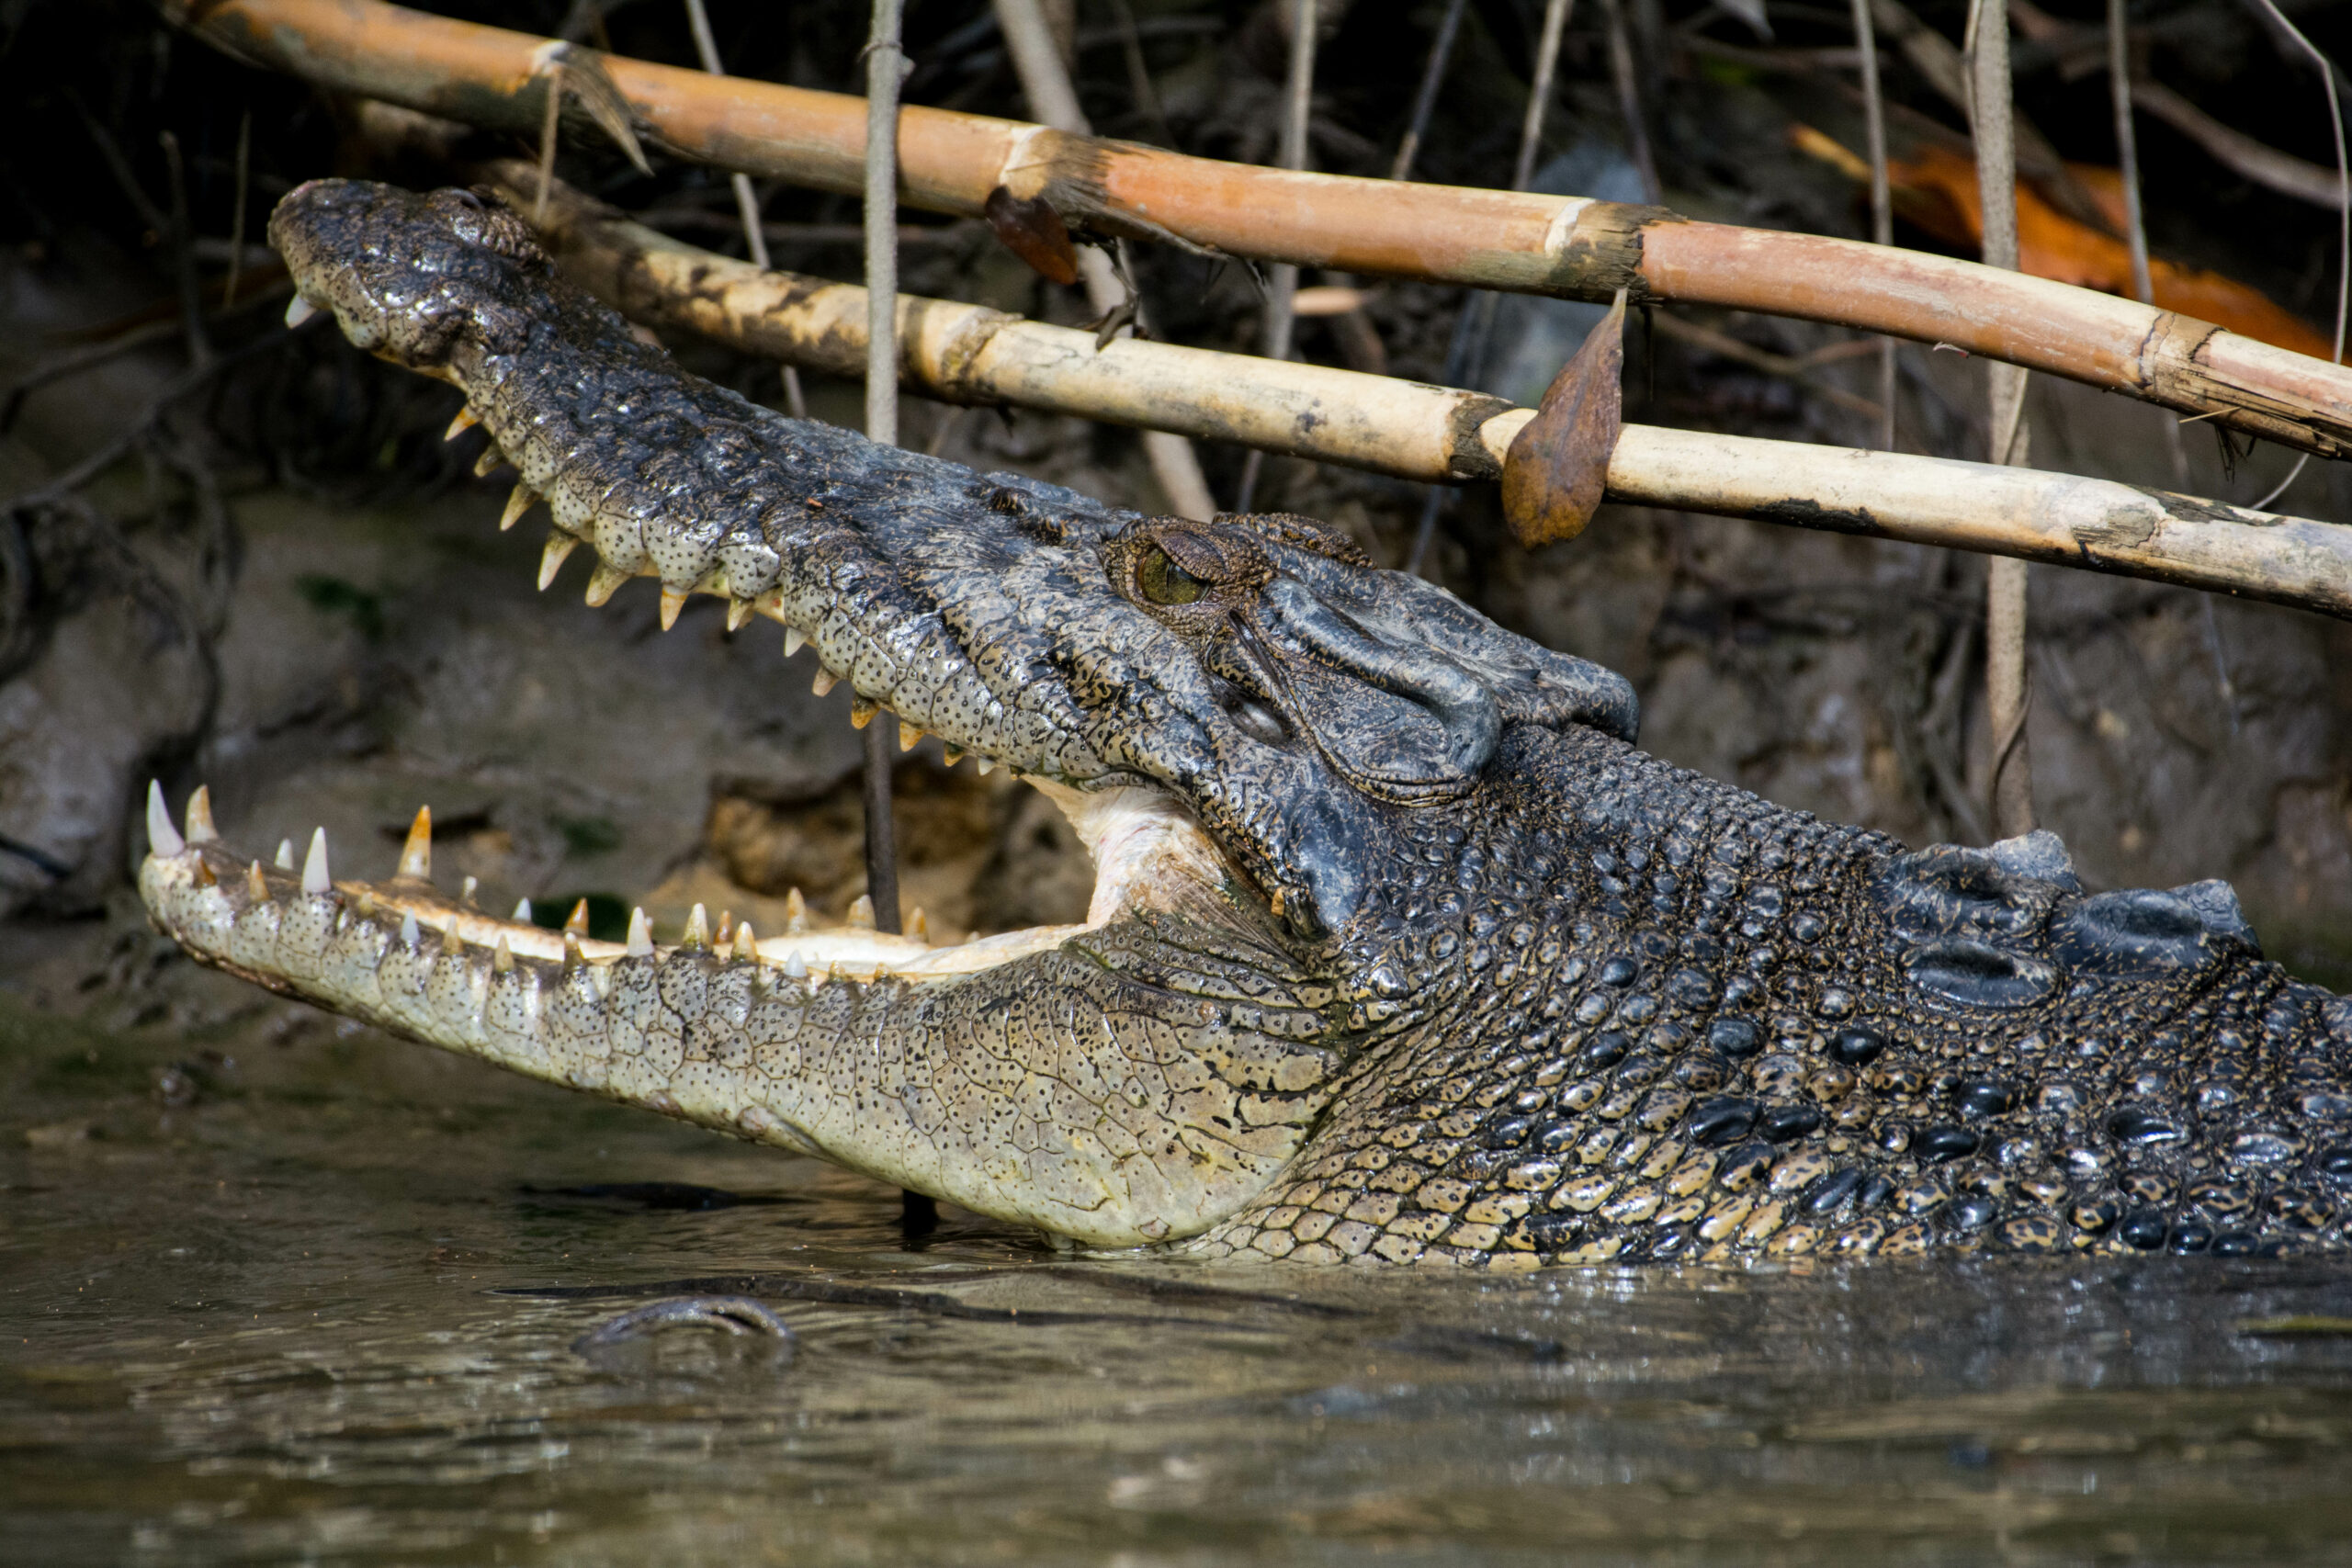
<point x="280" y="580"/>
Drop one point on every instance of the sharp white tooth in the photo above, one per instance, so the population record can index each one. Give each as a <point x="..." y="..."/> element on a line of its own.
<point x="256" y="886"/>
<point x="204" y="877"/>
<point x="407" y="928"/>
<point x="698" y="928"/>
<point x="466" y="890"/>
<point x="299" y="311"/>
<point x="794" y="968"/>
<point x="315" y="866"/>
<point x="522" y="912"/>
<point x="907" y="736"/>
<point x="576" y="923"/>
<point x="502" y="957"/>
<point x="673" y="601"/>
<point x="737" y="612"/>
<point x="452" y="944"/>
<point x="824" y="682"/>
<point x="792" y="641"/>
<point x="200" y="817"/>
<point x="641" y="935"/>
<point x="861" y="914"/>
<point x="747" y="946"/>
<point x="919" y="925"/>
<point x="164" y="840"/>
<point x="465" y="421"/>
<point x="986" y="767"/>
<point x="603" y="583"/>
<point x="559" y="544"/>
<point x="286" y="854"/>
<point x="796" y="912"/>
<point x="416" y="855"/>
<point x="489" y="461"/>
<point x="516" y="505"/>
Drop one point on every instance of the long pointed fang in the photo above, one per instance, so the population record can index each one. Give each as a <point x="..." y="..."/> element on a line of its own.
<point x="747" y="946"/>
<point x="416" y="855"/>
<point x="576" y="923"/>
<point x="200" y="817"/>
<point x="299" y="310"/>
<point x="485" y="465"/>
<point x="673" y="601"/>
<point x="517" y="503"/>
<point x="284" y="854"/>
<point x="907" y="736"/>
<point x="164" y="840"/>
<point x="559" y="544"/>
<point x="824" y="682"/>
<point x="641" y="935"/>
<point x="698" y="928"/>
<point x="737" y="612"/>
<point x="792" y="641"/>
<point x="603" y="583"/>
<point x="315" y="866"/>
<point x="465" y="421"/>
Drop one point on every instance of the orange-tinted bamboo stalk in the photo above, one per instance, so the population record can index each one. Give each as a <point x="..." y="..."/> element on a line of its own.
<point x="1528" y="244"/>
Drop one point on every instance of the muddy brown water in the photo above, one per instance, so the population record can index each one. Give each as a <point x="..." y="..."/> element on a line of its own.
<point x="273" y="1290"/>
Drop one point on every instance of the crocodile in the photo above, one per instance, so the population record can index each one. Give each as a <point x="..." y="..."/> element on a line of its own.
<point x="1399" y="949"/>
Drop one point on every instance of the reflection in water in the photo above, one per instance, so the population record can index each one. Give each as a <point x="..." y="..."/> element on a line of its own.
<point x="326" y="1313"/>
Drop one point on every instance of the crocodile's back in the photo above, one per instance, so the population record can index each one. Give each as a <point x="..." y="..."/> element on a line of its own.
<point x="1664" y="1018"/>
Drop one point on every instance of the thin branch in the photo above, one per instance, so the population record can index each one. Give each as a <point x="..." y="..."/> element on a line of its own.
<point x="1425" y="97"/>
<point x="1282" y="283"/>
<point x="1881" y="200"/>
<point x="1481" y="239"/>
<point x="884" y="68"/>
<point x="1629" y="100"/>
<point x="237" y="208"/>
<point x="199" y="344"/>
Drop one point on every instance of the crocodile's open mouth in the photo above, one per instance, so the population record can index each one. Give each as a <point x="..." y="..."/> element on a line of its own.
<point x="1149" y="853"/>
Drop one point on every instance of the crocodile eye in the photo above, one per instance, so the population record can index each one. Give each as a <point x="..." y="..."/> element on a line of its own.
<point x="1163" y="582"/>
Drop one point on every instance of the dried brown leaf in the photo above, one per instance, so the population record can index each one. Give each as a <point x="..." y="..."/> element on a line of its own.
<point x="1557" y="468"/>
<point x="1032" y="230"/>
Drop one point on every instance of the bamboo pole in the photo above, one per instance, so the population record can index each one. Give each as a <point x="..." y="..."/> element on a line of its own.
<point x="969" y="354"/>
<point x="884" y="65"/>
<point x="1528" y="244"/>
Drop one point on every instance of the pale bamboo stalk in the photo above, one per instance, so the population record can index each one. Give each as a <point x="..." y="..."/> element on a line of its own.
<point x="969" y="354"/>
<point x="1565" y="246"/>
<point x="1882" y="197"/>
<point x="1046" y="84"/>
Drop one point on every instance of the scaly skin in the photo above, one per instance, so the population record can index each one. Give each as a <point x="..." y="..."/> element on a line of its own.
<point x="1399" y="949"/>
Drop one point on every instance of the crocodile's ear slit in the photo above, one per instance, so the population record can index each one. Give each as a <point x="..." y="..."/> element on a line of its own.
<point x="559" y="544"/>
<point x="517" y="503"/>
<point x="465" y="421"/>
<point x="315" y="879"/>
<point x="164" y="840"/>
<point x="673" y="601"/>
<point x="200" y="817"/>
<point x="416" y="854"/>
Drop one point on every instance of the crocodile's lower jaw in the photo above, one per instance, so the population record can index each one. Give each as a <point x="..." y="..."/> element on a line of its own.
<point x="1147" y="852"/>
